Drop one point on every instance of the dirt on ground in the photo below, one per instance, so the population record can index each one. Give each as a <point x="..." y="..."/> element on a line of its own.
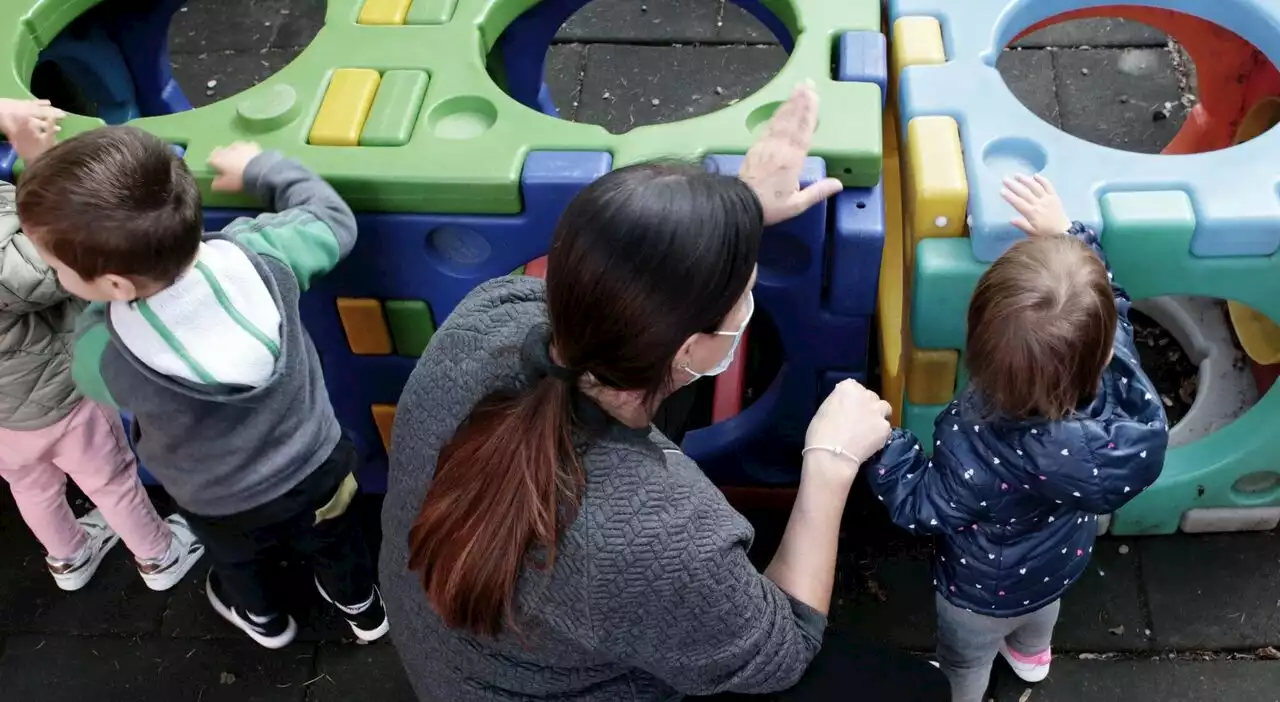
<point x="1168" y="366"/>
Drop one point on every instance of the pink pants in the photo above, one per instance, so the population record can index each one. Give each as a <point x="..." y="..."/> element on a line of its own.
<point x="90" y="446"/>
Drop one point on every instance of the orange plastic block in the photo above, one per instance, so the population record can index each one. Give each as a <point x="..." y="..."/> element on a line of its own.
<point x="537" y="268"/>
<point x="385" y="417"/>
<point x="365" y="326"/>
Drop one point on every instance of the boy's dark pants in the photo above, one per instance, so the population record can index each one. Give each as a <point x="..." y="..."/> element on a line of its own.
<point x="312" y="519"/>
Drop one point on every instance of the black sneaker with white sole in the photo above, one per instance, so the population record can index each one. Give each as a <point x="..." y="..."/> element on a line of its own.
<point x="368" y="620"/>
<point x="273" y="631"/>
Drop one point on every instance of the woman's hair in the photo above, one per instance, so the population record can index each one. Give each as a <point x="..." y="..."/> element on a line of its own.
<point x="641" y="260"/>
<point x="1041" y="325"/>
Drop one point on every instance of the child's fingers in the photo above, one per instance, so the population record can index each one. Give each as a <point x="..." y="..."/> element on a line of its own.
<point x="1019" y="189"/>
<point x="1017" y="201"/>
<point x="1024" y="225"/>
<point x="1032" y="184"/>
<point x="1044" y="183"/>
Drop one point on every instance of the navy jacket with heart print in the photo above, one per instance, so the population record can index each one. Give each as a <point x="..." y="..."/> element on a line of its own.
<point x="1014" y="505"/>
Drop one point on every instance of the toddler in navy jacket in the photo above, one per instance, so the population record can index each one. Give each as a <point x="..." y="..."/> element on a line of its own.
<point x="1057" y="426"/>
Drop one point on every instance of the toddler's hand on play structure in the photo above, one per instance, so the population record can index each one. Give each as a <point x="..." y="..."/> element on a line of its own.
<point x="229" y="163"/>
<point x="30" y="125"/>
<point x="1040" y="208"/>
<point x="852" y="418"/>
<point x="773" y="164"/>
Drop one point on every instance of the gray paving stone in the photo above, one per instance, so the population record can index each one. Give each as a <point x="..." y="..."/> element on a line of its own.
<point x="643" y="22"/>
<point x="1108" y="96"/>
<point x="897" y="609"/>
<point x="737" y="26"/>
<point x="563" y="75"/>
<point x="114" y="601"/>
<point x="1029" y="75"/>
<point x="1095" y="32"/>
<point x="631" y="86"/>
<point x="38" y="668"/>
<point x="1146" y="680"/>
<point x="359" y="672"/>
<point x="217" y="25"/>
<point x="234" y="72"/>
<point x="1106" y="598"/>
<point x="1214" y="592"/>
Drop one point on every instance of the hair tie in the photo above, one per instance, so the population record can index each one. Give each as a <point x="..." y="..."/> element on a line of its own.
<point x="536" y="355"/>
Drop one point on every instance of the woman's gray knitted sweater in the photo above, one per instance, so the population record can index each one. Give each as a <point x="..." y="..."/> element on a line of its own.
<point x="651" y="597"/>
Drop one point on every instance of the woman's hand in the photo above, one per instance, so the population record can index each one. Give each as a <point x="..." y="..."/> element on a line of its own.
<point x="1038" y="204"/>
<point x="773" y="164"/>
<point x="853" y="419"/>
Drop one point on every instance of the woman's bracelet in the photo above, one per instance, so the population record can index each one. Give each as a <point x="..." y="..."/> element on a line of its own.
<point x="832" y="449"/>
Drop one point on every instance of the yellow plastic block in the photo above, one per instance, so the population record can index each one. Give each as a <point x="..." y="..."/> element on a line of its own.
<point x="937" y="192"/>
<point x="916" y="41"/>
<point x="345" y="107"/>
<point x="1259" y="336"/>
<point x="891" y="301"/>
<point x="932" y="380"/>
<point x="385" y="417"/>
<point x="386" y="12"/>
<point x="365" y="326"/>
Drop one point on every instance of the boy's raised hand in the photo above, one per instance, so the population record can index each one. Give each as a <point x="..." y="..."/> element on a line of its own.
<point x="30" y="125"/>
<point x="773" y="164"/>
<point x="1040" y="208"/>
<point x="229" y="163"/>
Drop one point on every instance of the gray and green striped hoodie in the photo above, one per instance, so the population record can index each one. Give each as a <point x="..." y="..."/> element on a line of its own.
<point x="230" y="407"/>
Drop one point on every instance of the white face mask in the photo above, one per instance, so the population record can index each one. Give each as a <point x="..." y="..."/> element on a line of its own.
<point x="727" y="361"/>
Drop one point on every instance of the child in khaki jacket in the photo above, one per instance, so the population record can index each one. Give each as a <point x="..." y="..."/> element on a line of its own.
<point x="48" y="430"/>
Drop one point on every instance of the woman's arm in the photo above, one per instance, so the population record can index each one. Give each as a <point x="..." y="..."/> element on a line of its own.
<point x="804" y="565"/>
<point x="850" y="426"/>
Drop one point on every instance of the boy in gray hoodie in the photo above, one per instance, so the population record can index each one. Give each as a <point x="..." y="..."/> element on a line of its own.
<point x="200" y="337"/>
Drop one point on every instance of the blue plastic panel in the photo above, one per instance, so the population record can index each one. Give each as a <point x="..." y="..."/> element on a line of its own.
<point x="863" y="57"/>
<point x="1236" y="191"/>
<point x="857" y="245"/>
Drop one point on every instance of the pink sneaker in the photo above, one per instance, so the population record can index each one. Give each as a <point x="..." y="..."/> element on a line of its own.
<point x="1030" y="668"/>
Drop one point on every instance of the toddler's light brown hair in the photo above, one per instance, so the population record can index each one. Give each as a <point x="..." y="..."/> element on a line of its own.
<point x="1041" y="324"/>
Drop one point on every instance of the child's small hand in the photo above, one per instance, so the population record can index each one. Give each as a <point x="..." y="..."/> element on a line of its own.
<point x="31" y="126"/>
<point x="229" y="162"/>
<point x="1035" y="199"/>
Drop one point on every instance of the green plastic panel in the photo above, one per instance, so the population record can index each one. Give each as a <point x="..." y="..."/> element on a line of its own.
<point x="431" y="11"/>
<point x="395" y="109"/>
<point x="468" y="149"/>
<point x="945" y="275"/>
<point x="412" y="325"/>
<point x="1148" y="241"/>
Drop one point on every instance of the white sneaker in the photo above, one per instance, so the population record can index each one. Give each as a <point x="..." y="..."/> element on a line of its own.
<point x="1031" y="669"/>
<point x="184" y="551"/>
<point x="76" y="573"/>
<point x="274" y="631"/>
<point x="368" y="620"/>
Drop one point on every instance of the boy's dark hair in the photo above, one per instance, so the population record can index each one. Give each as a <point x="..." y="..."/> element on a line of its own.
<point x="114" y="200"/>
<point x="1041" y="325"/>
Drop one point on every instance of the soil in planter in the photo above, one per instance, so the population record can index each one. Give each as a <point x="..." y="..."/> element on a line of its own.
<point x="1173" y="374"/>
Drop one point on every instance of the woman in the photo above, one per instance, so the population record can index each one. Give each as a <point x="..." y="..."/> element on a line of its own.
<point x="566" y="551"/>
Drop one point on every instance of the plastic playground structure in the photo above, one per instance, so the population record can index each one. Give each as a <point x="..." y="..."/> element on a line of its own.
<point x="431" y="118"/>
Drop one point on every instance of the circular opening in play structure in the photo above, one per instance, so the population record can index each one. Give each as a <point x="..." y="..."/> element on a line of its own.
<point x="1133" y="94"/>
<point x="623" y="65"/>
<point x="1154" y="81"/>
<point x="1175" y="375"/>
<point x="218" y="48"/>
<point x="1188" y="349"/>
